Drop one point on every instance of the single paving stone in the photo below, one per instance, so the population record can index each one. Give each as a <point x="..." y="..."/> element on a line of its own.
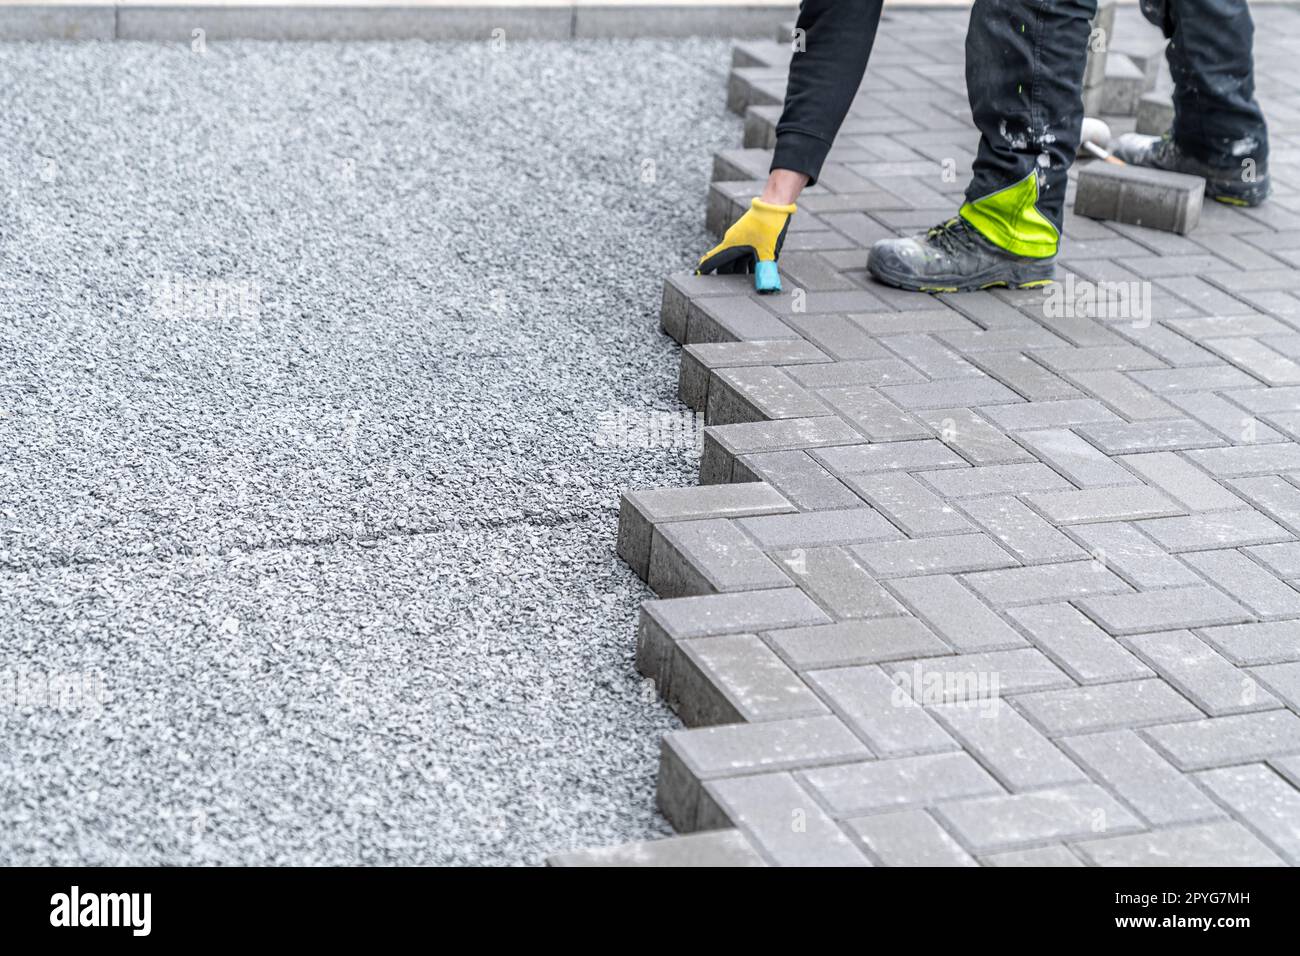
<point x="909" y="838"/>
<point x="1166" y="610"/>
<point x="880" y="712"/>
<point x="784" y="820"/>
<point x="993" y="480"/>
<point x="909" y="504"/>
<point x="977" y="677"/>
<point x="715" y="848"/>
<point x="872" y="372"/>
<point x="1218" y="741"/>
<point x="865" y="787"/>
<point x="1067" y="413"/>
<point x="838" y="583"/>
<point x="699" y="360"/>
<point x="1020" y="530"/>
<point x="1133" y="556"/>
<point x="1011" y="748"/>
<point x="1266" y="364"/>
<point x="1117" y="357"/>
<point x="837" y="336"/>
<point x="681" y="289"/>
<point x="966" y="391"/>
<point x="736" y="318"/>
<point x="665" y="622"/>
<point x="819" y="529"/>
<point x="640" y="511"/>
<point x="758" y="393"/>
<point x="723" y="443"/>
<point x="1282" y="559"/>
<point x="1103" y="504"/>
<point x="1182" y="481"/>
<point x="1024" y="376"/>
<point x="1258" y="795"/>
<point x="799" y="479"/>
<point x="1123" y="395"/>
<point x="1042" y="856"/>
<point x="1140" y="195"/>
<point x="1276" y="497"/>
<point x="736" y="677"/>
<point x="1211" y="531"/>
<point x="955" y="613"/>
<point x="1214" y="378"/>
<point x="1142" y="778"/>
<point x="1155" y="113"/>
<point x="1080" y="648"/>
<point x="940" y="555"/>
<point x="1074" y="458"/>
<point x="688" y="758"/>
<point x="973" y="437"/>
<point x="849" y="643"/>
<point x="1079" y="710"/>
<point x="1243" y="460"/>
<point x="1225" y="419"/>
<point x="1283" y="679"/>
<point x="1195" y="669"/>
<point x="989" y="824"/>
<point x="1272" y="642"/>
<point x="872" y="414"/>
<point x="1248" y="582"/>
<point x="858" y="459"/>
<point x="709" y="556"/>
<point x="1122" y="438"/>
<point x="1210" y="844"/>
<point x="1044" y="582"/>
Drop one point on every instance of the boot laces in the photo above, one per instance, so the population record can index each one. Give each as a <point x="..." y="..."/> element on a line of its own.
<point x="948" y="236"/>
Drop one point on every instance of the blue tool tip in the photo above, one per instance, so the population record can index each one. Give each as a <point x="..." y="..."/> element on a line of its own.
<point x="767" y="278"/>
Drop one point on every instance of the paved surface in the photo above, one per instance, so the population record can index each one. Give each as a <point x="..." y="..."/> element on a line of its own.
<point x="982" y="579"/>
<point x="310" y="561"/>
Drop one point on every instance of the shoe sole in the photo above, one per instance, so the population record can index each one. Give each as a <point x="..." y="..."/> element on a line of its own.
<point x="1020" y="275"/>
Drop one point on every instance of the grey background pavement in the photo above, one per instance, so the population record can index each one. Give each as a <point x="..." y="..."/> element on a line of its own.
<point x="318" y="553"/>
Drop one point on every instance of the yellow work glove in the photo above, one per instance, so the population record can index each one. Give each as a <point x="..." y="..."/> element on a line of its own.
<point x="752" y="245"/>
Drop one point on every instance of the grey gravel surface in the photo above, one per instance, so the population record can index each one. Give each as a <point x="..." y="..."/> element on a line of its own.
<point x="311" y="562"/>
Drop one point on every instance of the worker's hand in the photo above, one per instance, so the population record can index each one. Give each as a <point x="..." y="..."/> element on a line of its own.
<point x="752" y="245"/>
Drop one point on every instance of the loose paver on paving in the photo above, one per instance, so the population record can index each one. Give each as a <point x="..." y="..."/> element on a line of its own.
<point x="1042" y="572"/>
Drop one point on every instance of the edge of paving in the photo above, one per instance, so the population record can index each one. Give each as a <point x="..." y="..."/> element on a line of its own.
<point x="359" y="20"/>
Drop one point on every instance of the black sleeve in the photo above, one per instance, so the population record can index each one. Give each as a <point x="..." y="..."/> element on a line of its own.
<point x="824" y="78"/>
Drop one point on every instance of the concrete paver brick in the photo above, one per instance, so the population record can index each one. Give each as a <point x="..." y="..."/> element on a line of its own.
<point x="838" y="583"/>
<point x="1142" y="778"/>
<point x="1011" y="748"/>
<point x="1209" y="844"/>
<point x="814" y="529"/>
<point x="955" y="613"/>
<point x="1021" y="531"/>
<point x="940" y="555"/>
<point x="978" y="677"/>
<point x="865" y="787"/>
<point x="1182" y="481"/>
<point x="723" y="443"/>
<point x="984" y="480"/>
<point x="1220" y="741"/>
<point x="1214" y="531"/>
<point x="973" y="437"/>
<point x="1167" y="610"/>
<point x="1133" y="556"/>
<point x="709" y="556"/>
<point x="1211" y="682"/>
<point x="688" y="758"/>
<point x="1250" y="583"/>
<point x="849" y="643"/>
<point x="1265" y="801"/>
<point x="1044" y="582"/>
<point x="909" y="504"/>
<point x="784" y="821"/>
<point x="909" y="838"/>
<point x="800" y="480"/>
<point x="880" y="711"/>
<point x="1112" y="706"/>
<point x="640" y="511"/>
<point x="1268" y="642"/>
<point x="736" y="677"/>
<point x="1076" y="645"/>
<point x="1104" y="504"/>
<point x="989" y="824"/>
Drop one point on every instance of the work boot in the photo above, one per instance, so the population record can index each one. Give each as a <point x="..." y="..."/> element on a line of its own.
<point x="1232" y="181"/>
<point x="954" y="257"/>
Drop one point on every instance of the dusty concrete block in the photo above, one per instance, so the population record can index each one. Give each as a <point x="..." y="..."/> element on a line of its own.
<point x="1155" y="113"/>
<point x="1140" y="196"/>
<point x="1122" y="85"/>
<point x="640" y="511"/>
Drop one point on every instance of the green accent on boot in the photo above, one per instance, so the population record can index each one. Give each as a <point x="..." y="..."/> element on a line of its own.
<point x="1010" y="220"/>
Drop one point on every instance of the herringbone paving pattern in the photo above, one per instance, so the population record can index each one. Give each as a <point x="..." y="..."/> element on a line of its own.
<point x="1005" y="578"/>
